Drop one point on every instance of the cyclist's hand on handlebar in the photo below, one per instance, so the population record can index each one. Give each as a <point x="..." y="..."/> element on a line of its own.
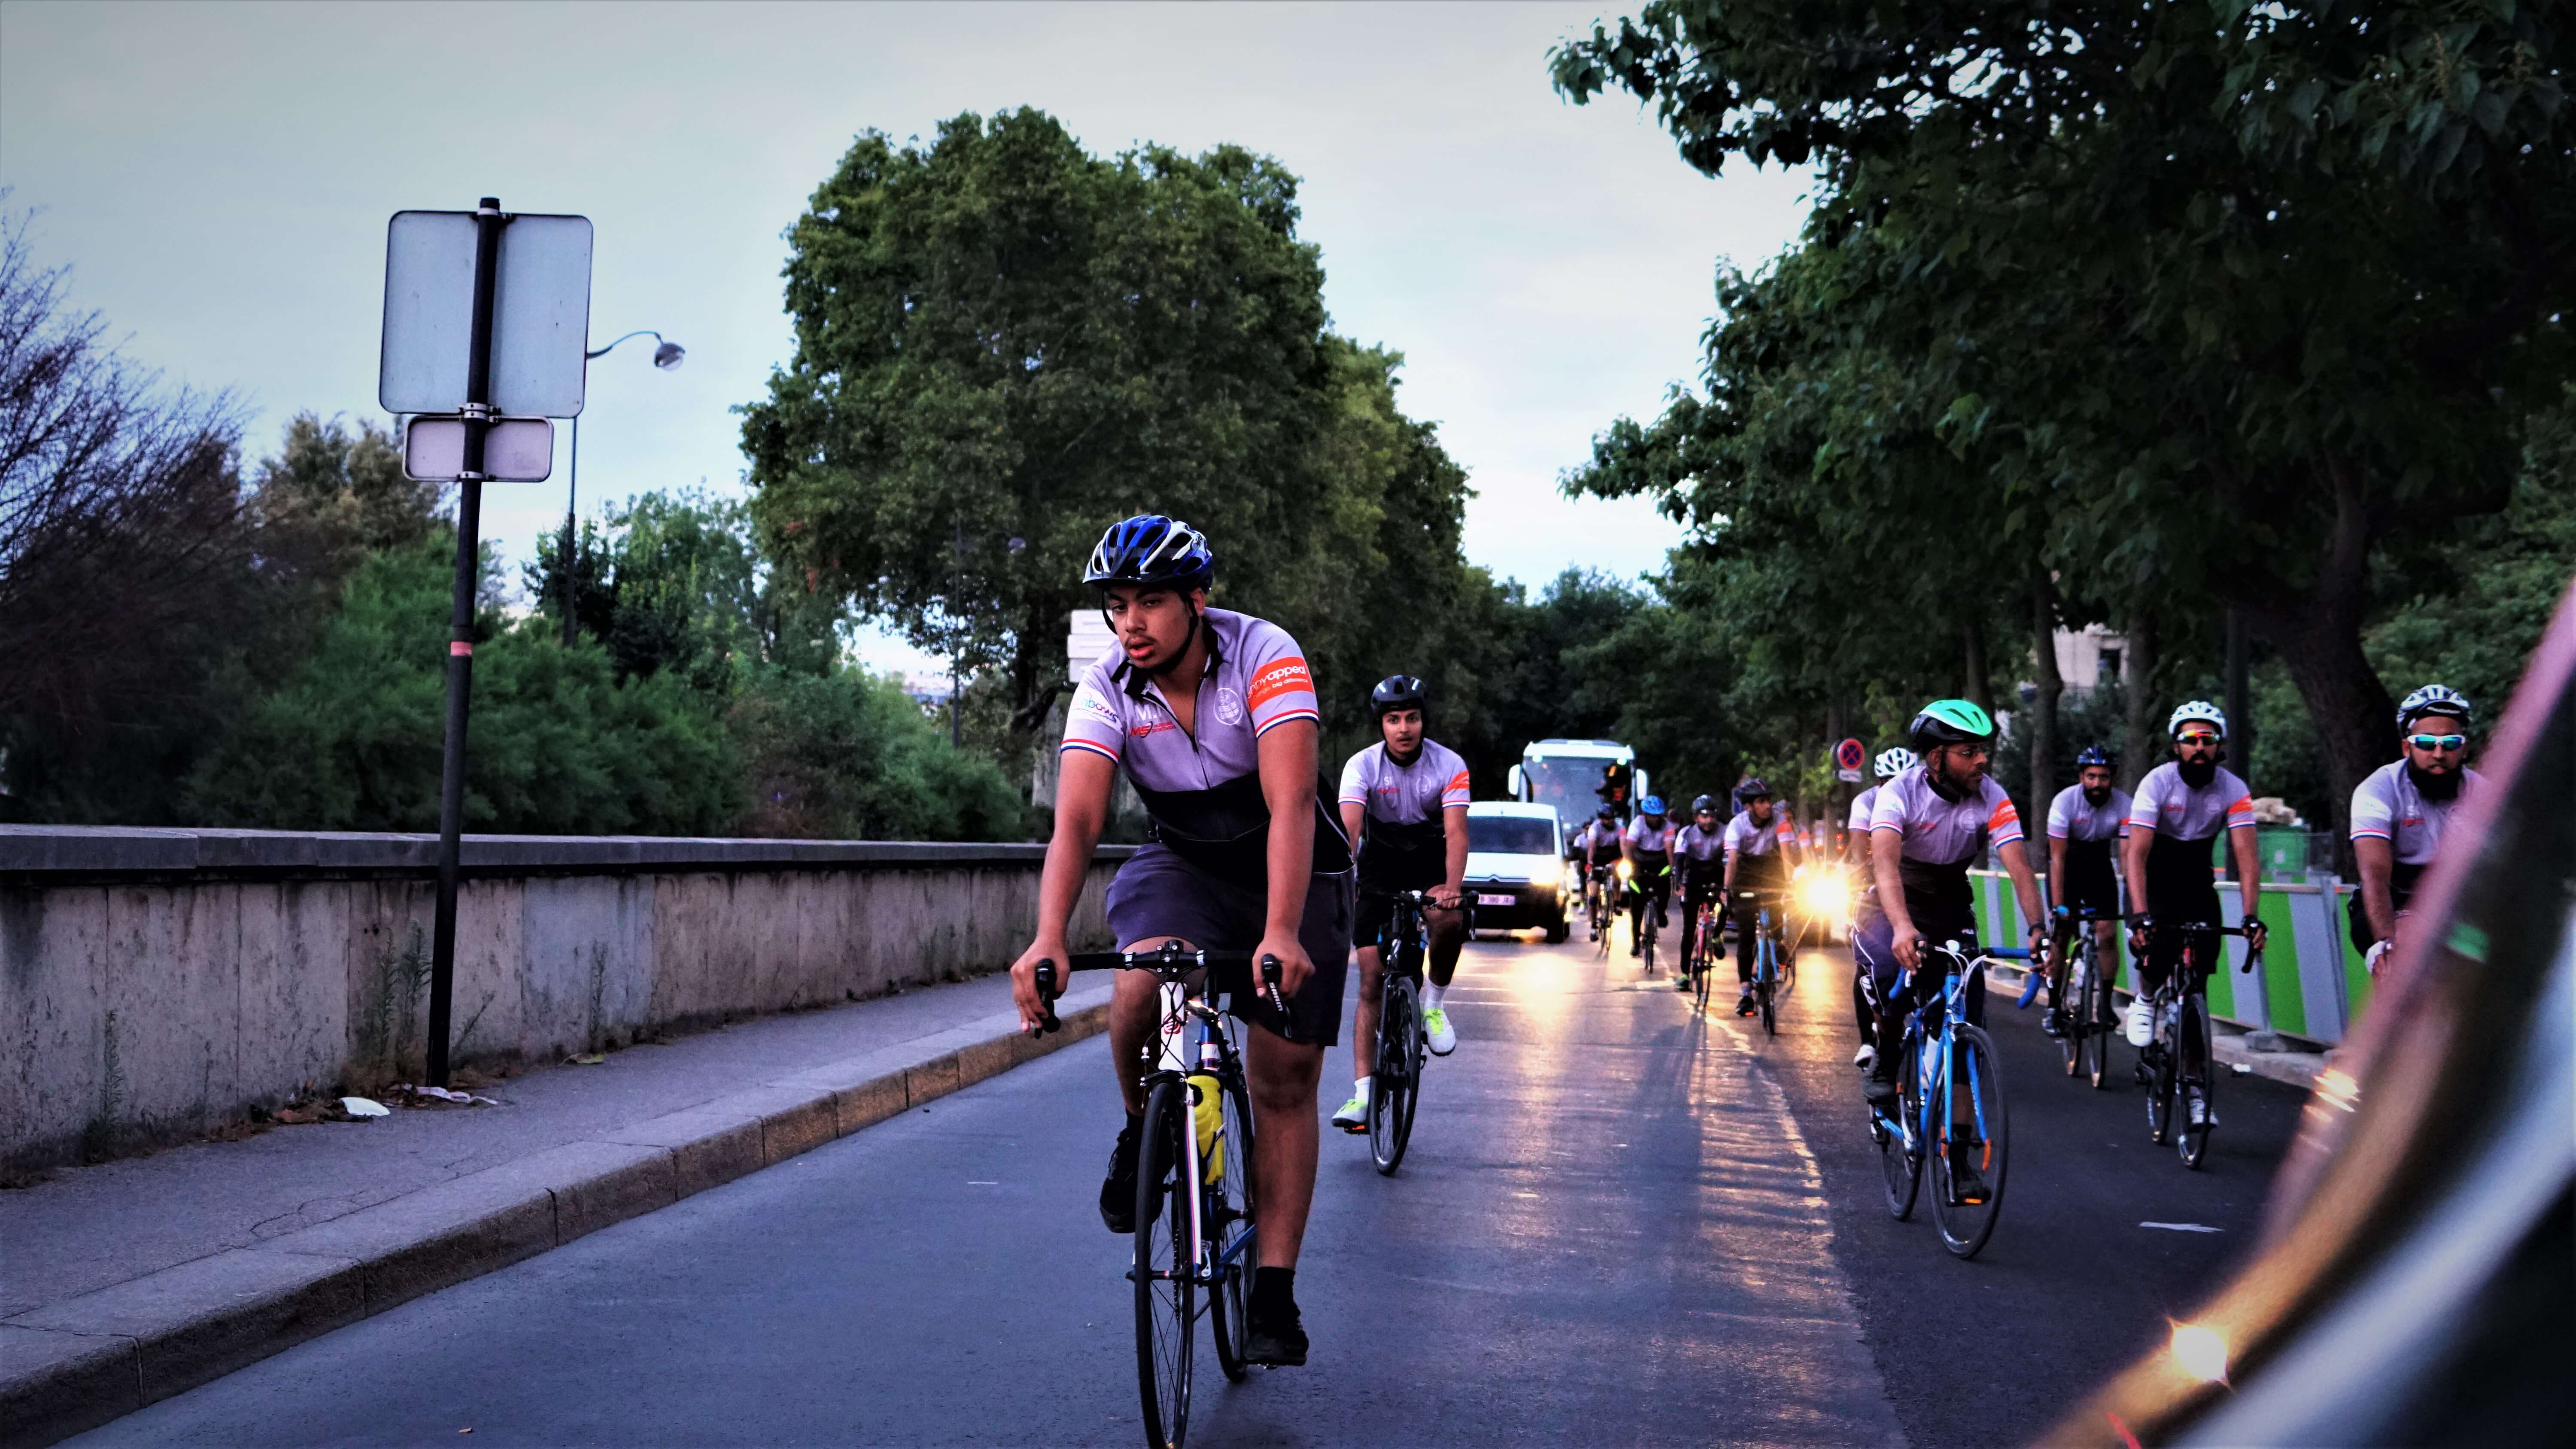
<point x="2255" y="934"/>
<point x="1446" y="897"/>
<point x="2140" y="927"/>
<point x="1294" y="965"/>
<point x="1907" y="943"/>
<point x="1024" y="980"/>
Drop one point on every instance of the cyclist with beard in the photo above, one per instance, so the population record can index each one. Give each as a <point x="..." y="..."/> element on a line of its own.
<point x="1697" y="853"/>
<point x="1889" y="764"/>
<point x="1213" y="716"/>
<point x="1596" y="845"/>
<point x="1927" y="826"/>
<point x="1759" y="842"/>
<point x="2082" y="822"/>
<point x="1405" y="800"/>
<point x="2181" y="806"/>
<point x="2400" y="810"/>
<point x="1647" y="846"/>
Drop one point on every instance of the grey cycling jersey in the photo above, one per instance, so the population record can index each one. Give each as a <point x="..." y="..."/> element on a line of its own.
<point x="1943" y="832"/>
<point x="2387" y="806"/>
<point x="1701" y="845"/>
<point x="1411" y="794"/>
<point x="2077" y="820"/>
<point x="1861" y="803"/>
<point x="2171" y="808"/>
<point x="1743" y="837"/>
<point x="1651" y="839"/>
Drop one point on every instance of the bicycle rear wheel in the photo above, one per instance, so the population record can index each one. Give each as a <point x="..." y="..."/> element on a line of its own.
<point x="1166" y="1295"/>
<point x="1983" y="1141"/>
<point x="1399" y="1076"/>
<point x="2098" y="1023"/>
<point x="2158" y="1068"/>
<point x="2074" y="1024"/>
<point x="1703" y="970"/>
<point x="1901" y="1165"/>
<point x="2195" y="1108"/>
<point x="1788" y="959"/>
<point x="1234" y="1236"/>
<point x="1766" y="986"/>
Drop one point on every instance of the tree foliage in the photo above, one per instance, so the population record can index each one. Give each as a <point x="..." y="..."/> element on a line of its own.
<point x="2184" y="303"/>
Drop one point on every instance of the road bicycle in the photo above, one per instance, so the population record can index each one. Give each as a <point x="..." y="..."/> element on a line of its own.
<point x="1596" y="900"/>
<point x="1949" y="1107"/>
<point x="1707" y="946"/>
<point x="2086" y="1019"/>
<point x="1642" y="913"/>
<point x="1403" y="1043"/>
<point x="1761" y="911"/>
<point x="1609" y="891"/>
<point x="2174" y="1065"/>
<point x="1195" y="1230"/>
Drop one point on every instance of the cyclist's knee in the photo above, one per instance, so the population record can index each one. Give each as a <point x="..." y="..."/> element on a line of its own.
<point x="1282" y="1074"/>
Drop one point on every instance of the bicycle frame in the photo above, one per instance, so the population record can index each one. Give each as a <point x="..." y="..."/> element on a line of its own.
<point x="1938" y="1047"/>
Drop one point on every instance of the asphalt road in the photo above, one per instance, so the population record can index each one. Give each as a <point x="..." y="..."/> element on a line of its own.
<point x="1617" y="1224"/>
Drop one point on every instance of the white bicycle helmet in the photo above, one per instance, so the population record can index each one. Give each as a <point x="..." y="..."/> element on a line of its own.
<point x="2198" y="709"/>
<point x="1895" y="762"/>
<point x="2438" y="699"/>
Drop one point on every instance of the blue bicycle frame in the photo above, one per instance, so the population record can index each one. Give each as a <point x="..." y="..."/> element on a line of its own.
<point x="1936" y="1072"/>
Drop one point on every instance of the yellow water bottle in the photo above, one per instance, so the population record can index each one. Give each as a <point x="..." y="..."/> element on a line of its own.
<point x="1210" y="1114"/>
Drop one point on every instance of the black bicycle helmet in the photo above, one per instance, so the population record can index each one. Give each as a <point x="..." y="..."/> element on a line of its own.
<point x="1151" y="549"/>
<point x="1396" y="691"/>
<point x="2093" y="755"/>
<point x="1949" y="722"/>
<point x="1753" y="788"/>
<point x="1704" y="805"/>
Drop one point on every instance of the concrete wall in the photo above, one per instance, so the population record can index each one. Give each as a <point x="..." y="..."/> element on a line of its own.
<point x="154" y="984"/>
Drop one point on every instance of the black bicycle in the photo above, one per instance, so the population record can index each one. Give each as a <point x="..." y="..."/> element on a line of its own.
<point x="2086" y="1019"/>
<point x="1195" y="1230"/>
<point x="2175" y="1064"/>
<point x="1642" y="913"/>
<point x="1403" y="1044"/>
<point x="1699" y="967"/>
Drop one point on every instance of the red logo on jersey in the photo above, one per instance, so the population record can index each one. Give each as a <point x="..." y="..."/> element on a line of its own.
<point x="1281" y="676"/>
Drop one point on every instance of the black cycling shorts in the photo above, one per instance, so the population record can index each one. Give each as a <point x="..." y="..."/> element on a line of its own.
<point x="1157" y="895"/>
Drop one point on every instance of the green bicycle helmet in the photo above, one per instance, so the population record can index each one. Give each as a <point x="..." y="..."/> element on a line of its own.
<point x="1949" y="722"/>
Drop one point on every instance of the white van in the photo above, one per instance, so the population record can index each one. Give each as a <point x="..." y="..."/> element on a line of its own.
<point x="1516" y="867"/>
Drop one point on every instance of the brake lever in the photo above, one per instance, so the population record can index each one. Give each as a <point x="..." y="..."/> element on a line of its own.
<point x="1046" y="1000"/>
<point x="1270" y="984"/>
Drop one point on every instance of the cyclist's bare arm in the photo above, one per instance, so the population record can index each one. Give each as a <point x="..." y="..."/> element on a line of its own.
<point x="1891" y="895"/>
<point x="1354" y="816"/>
<point x="2377" y="860"/>
<point x="1453" y="833"/>
<point x="2057" y="869"/>
<point x="2016" y="859"/>
<point x="1081" y="810"/>
<point x="1287" y="765"/>
<point x="2249" y="876"/>
<point x="2133" y="862"/>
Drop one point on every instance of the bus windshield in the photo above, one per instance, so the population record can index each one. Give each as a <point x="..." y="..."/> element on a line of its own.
<point x="1571" y="783"/>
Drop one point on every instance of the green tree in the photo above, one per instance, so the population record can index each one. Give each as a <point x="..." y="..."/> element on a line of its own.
<point x="846" y="755"/>
<point x="2217" y="297"/>
<point x="351" y="739"/>
<point x="1003" y="340"/>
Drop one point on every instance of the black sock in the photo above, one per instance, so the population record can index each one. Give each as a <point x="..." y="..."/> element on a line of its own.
<point x="1274" y="1288"/>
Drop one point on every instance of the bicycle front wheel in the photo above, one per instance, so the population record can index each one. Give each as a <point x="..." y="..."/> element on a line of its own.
<point x="2099" y="1023"/>
<point x="1166" y="1265"/>
<point x="1704" y="970"/>
<point x="1234" y="1235"/>
<point x="1399" y="1076"/>
<point x="1975" y="1145"/>
<point x="1899" y="1162"/>
<point x="2195" y="1108"/>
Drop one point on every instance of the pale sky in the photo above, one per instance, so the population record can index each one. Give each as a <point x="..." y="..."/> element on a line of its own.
<point x="218" y="177"/>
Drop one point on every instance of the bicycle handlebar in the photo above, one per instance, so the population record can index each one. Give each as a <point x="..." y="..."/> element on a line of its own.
<point x="1169" y="962"/>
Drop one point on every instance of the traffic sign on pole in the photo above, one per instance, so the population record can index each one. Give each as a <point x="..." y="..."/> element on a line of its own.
<point x="1849" y="756"/>
<point x="487" y="315"/>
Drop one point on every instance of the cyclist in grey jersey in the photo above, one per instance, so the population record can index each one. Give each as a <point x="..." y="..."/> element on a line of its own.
<point x="1891" y="762"/>
<point x="1759" y="843"/>
<point x="1647" y="846"/>
<point x="1213" y="716"/>
<point x="2400" y="810"/>
<point x="1405" y="800"/>
<point x="2086" y="822"/>
<point x="1699" y="867"/>
<point x="2181" y="807"/>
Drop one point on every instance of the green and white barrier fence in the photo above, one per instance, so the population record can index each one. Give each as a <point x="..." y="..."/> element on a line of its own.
<point x="2312" y="984"/>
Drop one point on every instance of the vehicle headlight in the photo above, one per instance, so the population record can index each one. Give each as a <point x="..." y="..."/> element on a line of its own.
<point x="1823" y="894"/>
<point x="1624" y="871"/>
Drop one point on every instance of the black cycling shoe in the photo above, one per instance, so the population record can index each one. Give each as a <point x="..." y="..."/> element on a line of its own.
<point x="1967" y="1185"/>
<point x="1682" y="982"/>
<point x="2048" y="1023"/>
<point x="1878" y="1091"/>
<point x="1276" y="1335"/>
<point x="1118" y="1190"/>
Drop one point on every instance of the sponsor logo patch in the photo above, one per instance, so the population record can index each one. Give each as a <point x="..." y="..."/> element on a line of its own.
<point x="1229" y="706"/>
<point x="1281" y="676"/>
<point x="1152" y="727"/>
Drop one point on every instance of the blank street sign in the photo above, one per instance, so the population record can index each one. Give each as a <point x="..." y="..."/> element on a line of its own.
<point x="515" y="450"/>
<point x="540" y="314"/>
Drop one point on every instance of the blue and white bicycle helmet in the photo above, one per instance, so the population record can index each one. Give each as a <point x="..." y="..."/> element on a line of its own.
<point x="1651" y="805"/>
<point x="2093" y="755"/>
<point x="1894" y="762"/>
<point x="2438" y="699"/>
<point x="1151" y="549"/>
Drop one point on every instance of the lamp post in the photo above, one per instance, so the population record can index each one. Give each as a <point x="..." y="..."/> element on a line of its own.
<point x="666" y="356"/>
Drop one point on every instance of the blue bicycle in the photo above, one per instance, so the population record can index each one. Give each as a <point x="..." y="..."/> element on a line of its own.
<point x="1774" y="968"/>
<point x="1949" y="1109"/>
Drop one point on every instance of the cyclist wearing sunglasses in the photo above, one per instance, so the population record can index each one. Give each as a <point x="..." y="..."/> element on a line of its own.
<point x="2180" y="808"/>
<point x="2400" y="809"/>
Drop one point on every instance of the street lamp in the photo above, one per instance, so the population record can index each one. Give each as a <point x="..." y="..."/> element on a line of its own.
<point x="666" y="356"/>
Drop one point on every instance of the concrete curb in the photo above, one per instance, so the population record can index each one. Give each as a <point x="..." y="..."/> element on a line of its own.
<point x="80" y="1363"/>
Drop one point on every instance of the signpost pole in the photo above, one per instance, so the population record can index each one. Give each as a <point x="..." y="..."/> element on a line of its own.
<point x="488" y="222"/>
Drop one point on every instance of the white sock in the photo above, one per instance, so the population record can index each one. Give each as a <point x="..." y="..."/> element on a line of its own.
<point x="1431" y="996"/>
<point x="1359" y="1089"/>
